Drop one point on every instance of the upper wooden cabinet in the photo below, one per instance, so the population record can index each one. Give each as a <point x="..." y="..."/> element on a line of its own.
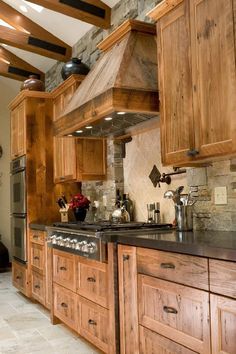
<point x="197" y="79"/>
<point x="75" y="159"/>
<point x="18" y="131"/>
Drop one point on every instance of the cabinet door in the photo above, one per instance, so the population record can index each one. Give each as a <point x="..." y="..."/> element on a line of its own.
<point x="18" y="131"/>
<point x="65" y="306"/>
<point x="129" y="336"/>
<point x="37" y="257"/>
<point x="177" y="312"/>
<point x="223" y="322"/>
<point x="175" y="85"/>
<point x="214" y="75"/>
<point x="64" y="269"/>
<point x="151" y="342"/>
<point x="38" y="287"/>
<point x="64" y="160"/>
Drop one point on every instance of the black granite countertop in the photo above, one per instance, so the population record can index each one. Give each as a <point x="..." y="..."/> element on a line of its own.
<point x="212" y="244"/>
<point x="38" y="226"/>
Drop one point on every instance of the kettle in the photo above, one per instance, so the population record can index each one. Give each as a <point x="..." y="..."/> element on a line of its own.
<point x="120" y="215"/>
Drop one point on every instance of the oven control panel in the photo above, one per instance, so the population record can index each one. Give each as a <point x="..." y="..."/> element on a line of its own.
<point x="83" y="244"/>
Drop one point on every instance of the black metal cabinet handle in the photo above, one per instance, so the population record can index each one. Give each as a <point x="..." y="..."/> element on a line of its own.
<point x="63" y="304"/>
<point x="125" y="257"/>
<point x="91" y="280"/>
<point x="18" y="277"/>
<point x="168" y="309"/>
<point x="92" y="322"/>
<point x="63" y="268"/>
<point x="192" y="153"/>
<point x="167" y="266"/>
<point x="35" y="236"/>
<point x="37" y="286"/>
<point x="36" y="257"/>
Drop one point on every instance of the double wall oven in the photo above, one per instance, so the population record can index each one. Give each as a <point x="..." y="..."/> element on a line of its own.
<point x="18" y="208"/>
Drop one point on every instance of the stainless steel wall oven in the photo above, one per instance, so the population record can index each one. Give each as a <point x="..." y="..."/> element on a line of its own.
<point x="18" y="208"/>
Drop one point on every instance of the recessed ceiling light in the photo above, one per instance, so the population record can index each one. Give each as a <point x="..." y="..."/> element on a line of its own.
<point x="89" y="127"/>
<point x="23" y="8"/>
<point x="36" y="7"/>
<point x="121" y="113"/>
<point x="108" y="118"/>
<point x="79" y="131"/>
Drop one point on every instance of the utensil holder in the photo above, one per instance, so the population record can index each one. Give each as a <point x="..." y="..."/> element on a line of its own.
<point x="184" y="217"/>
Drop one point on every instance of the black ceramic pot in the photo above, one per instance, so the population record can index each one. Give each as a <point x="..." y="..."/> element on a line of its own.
<point x="74" y="66"/>
<point x="80" y="214"/>
<point x="33" y="83"/>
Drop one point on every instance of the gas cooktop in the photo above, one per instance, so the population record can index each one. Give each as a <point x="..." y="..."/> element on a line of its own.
<point x="107" y="225"/>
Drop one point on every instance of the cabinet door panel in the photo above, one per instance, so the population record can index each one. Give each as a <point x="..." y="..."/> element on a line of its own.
<point x="58" y="160"/>
<point x="151" y="342"/>
<point x="175" y="311"/>
<point x="64" y="269"/>
<point x="65" y="306"/>
<point x="175" y="84"/>
<point x="214" y="75"/>
<point x="223" y="322"/>
<point x="69" y="157"/>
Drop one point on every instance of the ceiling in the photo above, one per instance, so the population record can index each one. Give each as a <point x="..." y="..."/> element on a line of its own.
<point x="66" y="28"/>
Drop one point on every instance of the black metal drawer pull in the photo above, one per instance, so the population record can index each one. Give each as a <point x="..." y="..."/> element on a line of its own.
<point x="125" y="257"/>
<point x="63" y="304"/>
<point x="192" y="152"/>
<point x="35" y="236"/>
<point x="62" y="268"/>
<point x="168" y="309"/>
<point x="91" y="280"/>
<point x="18" y="277"/>
<point x="37" y="286"/>
<point x="92" y="322"/>
<point x="167" y="266"/>
<point x="36" y="258"/>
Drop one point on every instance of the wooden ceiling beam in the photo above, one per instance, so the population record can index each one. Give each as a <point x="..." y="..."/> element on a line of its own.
<point x="95" y="12"/>
<point x="16" y="68"/>
<point x="28" y="35"/>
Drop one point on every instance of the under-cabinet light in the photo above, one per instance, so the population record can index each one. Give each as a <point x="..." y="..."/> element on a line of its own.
<point x="89" y="127"/>
<point x="108" y="118"/>
<point x="69" y="135"/>
<point x="79" y="131"/>
<point x="121" y="113"/>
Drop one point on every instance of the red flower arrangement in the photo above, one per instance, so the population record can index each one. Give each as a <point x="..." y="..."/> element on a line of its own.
<point x="79" y="201"/>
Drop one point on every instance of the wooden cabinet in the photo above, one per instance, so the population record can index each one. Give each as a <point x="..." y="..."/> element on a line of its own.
<point x="84" y="297"/>
<point x="38" y="257"/>
<point x="197" y="78"/>
<point x="75" y="159"/>
<point x="223" y="277"/>
<point x="19" y="277"/>
<point x="18" y="131"/>
<point x="157" y="312"/>
<point x="38" y="287"/>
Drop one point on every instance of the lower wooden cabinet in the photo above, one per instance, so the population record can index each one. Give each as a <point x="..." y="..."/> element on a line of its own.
<point x="223" y="324"/>
<point x="19" y="277"/>
<point x="153" y="343"/>
<point x="38" y="287"/>
<point x="64" y="269"/>
<point x="93" y="323"/>
<point x="65" y="306"/>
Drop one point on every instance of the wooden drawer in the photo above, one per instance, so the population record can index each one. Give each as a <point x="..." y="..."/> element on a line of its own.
<point x="37" y="236"/>
<point x="38" y="287"/>
<point x="223" y="323"/>
<point x="175" y="311"/>
<point x="65" y="306"/>
<point x="19" y="277"/>
<point x="64" y="269"/>
<point x="93" y="323"/>
<point x="184" y="269"/>
<point x="151" y="342"/>
<point x="37" y="257"/>
<point x="92" y="280"/>
<point x="223" y="277"/>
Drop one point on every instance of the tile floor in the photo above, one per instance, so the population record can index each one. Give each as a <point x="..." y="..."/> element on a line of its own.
<point x="25" y="327"/>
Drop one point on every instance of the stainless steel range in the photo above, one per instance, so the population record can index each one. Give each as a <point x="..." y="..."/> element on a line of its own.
<point x="90" y="240"/>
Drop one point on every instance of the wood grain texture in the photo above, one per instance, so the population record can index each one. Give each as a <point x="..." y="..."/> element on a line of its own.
<point x="18" y="131"/>
<point x="163" y="8"/>
<point x="37" y="258"/>
<point x="20" y="277"/>
<point x="128" y="300"/>
<point x="223" y="323"/>
<point x="214" y="75"/>
<point x="48" y="277"/>
<point x="151" y="342"/>
<point x="93" y="321"/>
<point x="37" y="236"/>
<point x="65" y="305"/>
<point x="23" y="29"/>
<point x="183" y="269"/>
<point x="64" y="269"/>
<point x="84" y="16"/>
<point x="175" y="85"/>
<point x="38" y="287"/>
<point x="223" y="277"/>
<point x="176" y="312"/>
<point x="92" y="280"/>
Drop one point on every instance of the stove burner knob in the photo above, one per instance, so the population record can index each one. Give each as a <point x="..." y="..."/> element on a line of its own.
<point x="58" y="240"/>
<point x="83" y="246"/>
<point x="92" y="247"/>
<point x="73" y="243"/>
<point x="52" y="239"/>
<point x="67" y="242"/>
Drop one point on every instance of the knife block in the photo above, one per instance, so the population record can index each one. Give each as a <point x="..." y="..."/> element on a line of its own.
<point x="64" y="215"/>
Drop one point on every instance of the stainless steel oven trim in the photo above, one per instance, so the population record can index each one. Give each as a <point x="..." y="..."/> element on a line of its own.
<point x="19" y="252"/>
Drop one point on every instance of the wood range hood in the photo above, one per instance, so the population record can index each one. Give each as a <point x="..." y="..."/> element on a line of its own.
<point x="121" y="90"/>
